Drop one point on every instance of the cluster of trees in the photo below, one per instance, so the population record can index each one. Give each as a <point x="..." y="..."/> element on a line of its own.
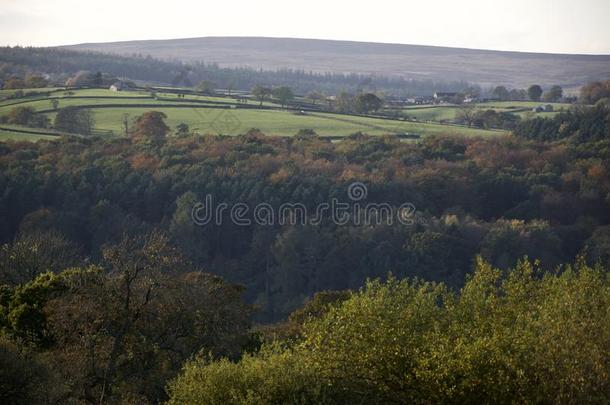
<point x="503" y="338"/>
<point x="361" y="103"/>
<point x="123" y="330"/>
<point x="25" y="116"/>
<point x="533" y="93"/>
<point x="72" y="120"/>
<point x="30" y="81"/>
<point x="595" y="92"/>
<point x="85" y="78"/>
<point x="116" y="332"/>
<point x="344" y="102"/>
<point x="579" y="123"/>
<point x="472" y="116"/>
<point x="283" y="94"/>
<point x="62" y="64"/>
<point x="502" y="197"/>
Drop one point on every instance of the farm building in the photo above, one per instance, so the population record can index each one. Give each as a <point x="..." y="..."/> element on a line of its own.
<point x="543" y="108"/>
<point x="119" y="86"/>
<point x="420" y="100"/>
<point x="444" y="97"/>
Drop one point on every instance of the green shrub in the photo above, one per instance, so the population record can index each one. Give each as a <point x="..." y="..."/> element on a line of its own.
<point x="522" y="336"/>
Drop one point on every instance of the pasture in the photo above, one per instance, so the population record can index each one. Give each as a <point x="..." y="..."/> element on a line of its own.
<point x="7" y="134"/>
<point x="227" y="116"/>
<point x="278" y="123"/>
<point x="448" y="112"/>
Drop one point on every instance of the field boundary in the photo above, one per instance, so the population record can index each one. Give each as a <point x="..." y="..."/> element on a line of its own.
<point x="29" y="132"/>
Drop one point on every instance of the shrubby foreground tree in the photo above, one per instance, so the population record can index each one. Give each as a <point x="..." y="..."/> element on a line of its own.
<point x="118" y="334"/>
<point x="516" y="337"/>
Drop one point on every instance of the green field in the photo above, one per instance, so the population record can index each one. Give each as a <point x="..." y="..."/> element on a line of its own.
<point x="206" y="115"/>
<point x="522" y="104"/>
<point x="431" y="113"/>
<point x="6" y="134"/>
<point x="239" y="121"/>
<point x="449" y="112"/>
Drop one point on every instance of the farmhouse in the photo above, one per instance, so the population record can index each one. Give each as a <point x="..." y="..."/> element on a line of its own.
<point x="444" y="96"/>
<point x="119" y="86"/>
<point x="420" y="100"/>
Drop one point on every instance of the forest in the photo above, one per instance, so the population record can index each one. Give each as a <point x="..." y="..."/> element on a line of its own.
<point x="61" y="64"/>
<point x="111" y="293"/>
<point x="496" y="289"/>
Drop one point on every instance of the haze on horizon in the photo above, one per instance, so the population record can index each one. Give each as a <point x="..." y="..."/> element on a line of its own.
<point x="560" y="26"/>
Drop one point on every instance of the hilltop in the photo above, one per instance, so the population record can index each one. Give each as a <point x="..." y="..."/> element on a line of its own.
<point x="485" y="67"/>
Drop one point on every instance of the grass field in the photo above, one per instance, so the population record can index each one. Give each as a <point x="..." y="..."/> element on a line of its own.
<point x="204" y="115"/>
<point x="239" y="121"/>
<point x="449" y="112"/>
<point x="522" y="104"/>
<point x="431" y="113"/>
<point x="6" y="135"/>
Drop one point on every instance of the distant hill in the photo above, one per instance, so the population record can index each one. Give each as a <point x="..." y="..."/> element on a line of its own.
<point x="485" y="67"/>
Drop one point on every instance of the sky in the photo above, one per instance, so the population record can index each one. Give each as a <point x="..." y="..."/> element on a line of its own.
<point x="558" y="26"/>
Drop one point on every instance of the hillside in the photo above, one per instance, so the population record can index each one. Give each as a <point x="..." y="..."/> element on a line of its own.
<point x="408" y="61"/>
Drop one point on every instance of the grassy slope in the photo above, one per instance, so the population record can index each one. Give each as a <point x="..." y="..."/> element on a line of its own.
<point x="448" y="112"/>
<point x="6" y="135"/>
<point x="234" y="121"/>
<point x="522" y="104"/>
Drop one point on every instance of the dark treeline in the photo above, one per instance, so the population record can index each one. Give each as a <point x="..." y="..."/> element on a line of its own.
<point x="503" y="198"/>
<point x="111" y="293"/>
<point x="582" y="123"/>
<point x="63" y="63"/>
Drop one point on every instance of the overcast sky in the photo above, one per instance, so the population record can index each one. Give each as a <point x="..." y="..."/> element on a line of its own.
<point x="561" y="26"/>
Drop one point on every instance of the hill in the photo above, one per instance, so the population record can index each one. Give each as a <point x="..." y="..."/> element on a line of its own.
<point x="409" y="61"/>
<point x="217" y="114"/>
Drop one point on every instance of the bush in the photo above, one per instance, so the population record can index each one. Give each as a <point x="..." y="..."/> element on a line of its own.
<point x="518" y="337"/>
<point x="273" y="376"/>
